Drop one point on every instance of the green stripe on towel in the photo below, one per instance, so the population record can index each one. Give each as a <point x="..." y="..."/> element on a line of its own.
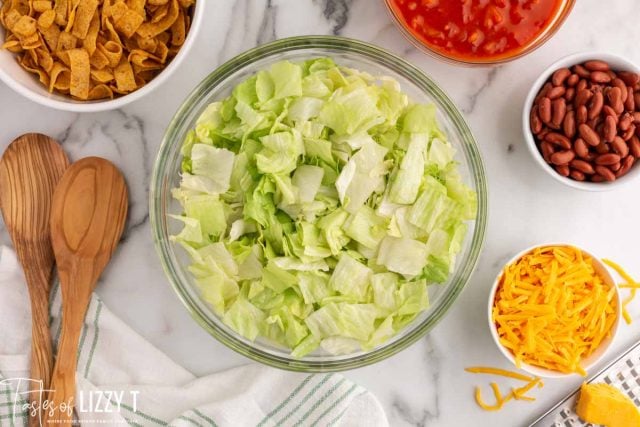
<point x="334" y="404"/>
<point x="285" y="402"/>
<point x="189" y="420"/>
<point x="204" y="417"/>
<point x="305" y="399"/>
<point x="320" y="401"/>
<point x="95" y="339"/>
<point x="341" y="414"/>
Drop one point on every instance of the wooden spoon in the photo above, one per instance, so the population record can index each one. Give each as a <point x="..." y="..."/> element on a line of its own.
<point x="87" y="220"/>
<point x="30" y="169"/>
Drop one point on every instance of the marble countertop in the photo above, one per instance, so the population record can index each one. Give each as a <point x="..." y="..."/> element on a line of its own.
<point x="426" y="384"/>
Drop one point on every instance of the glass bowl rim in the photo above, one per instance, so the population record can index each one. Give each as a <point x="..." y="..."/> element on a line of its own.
<point x="171" y="142"/>
<point x="545" y="36"/>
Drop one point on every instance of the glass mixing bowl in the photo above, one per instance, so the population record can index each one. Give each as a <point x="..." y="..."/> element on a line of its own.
<point x="218" y="85"/>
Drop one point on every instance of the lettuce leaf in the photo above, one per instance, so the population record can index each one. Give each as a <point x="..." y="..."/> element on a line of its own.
<point x="401" y="255"/>
<point x="351" y="278"/>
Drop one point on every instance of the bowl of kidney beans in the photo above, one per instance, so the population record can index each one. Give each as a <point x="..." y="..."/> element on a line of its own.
<point x="582" y="121"/>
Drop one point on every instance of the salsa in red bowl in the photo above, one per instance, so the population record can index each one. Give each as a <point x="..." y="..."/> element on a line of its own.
<point x="479" y="31"/>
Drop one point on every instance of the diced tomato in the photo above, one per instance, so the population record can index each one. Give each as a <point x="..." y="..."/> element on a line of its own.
<point x="477" y="29"/>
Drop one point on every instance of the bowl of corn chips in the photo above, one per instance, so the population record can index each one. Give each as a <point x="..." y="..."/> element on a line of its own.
<point x="93" y="55"/>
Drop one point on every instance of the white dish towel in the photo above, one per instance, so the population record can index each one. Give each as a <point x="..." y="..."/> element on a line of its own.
<point x="141" y="386"/>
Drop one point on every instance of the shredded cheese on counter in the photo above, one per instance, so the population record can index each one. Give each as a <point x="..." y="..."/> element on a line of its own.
<point x="515" y="394"/>
<point x="552" y="309"/>
<point x="631" y="284"/>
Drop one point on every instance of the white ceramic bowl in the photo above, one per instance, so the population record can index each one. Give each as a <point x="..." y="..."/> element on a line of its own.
<point x="617" y="63"/>
<point x="27" y="84"/>
<point x="586" y="363"/>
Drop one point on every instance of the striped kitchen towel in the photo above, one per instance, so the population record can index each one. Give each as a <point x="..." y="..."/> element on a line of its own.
<point x="122" y="379"/>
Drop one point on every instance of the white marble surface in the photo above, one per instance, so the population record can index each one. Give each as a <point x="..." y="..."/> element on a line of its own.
<point x="425" y="385"/>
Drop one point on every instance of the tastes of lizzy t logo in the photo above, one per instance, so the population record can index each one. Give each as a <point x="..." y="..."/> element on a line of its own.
<point x="33" y="401"/>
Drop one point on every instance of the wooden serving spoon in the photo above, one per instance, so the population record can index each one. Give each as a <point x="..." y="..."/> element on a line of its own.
<point x="30" y="169"/>
<point x="87" y="219"/>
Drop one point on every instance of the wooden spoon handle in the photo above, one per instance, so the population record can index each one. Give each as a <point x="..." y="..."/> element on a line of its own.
<point x="61" y="398"/>
<point x="41" y="351"/>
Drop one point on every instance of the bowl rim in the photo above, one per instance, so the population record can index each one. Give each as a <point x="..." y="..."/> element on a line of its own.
<point x="567" y="61"/>
<point x="71" y="105"/>
<point x="171" y="141"/>
<point x="536" y="370"/>
<point x="543" y="38"/>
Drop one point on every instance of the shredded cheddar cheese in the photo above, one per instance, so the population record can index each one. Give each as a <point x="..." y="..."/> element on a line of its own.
<point x="515" y="394"/>
<point x="552" y="309"/>
<point x="496" y="392"/>
<point x="498" y="371"/>
<point x="631" y="284"/>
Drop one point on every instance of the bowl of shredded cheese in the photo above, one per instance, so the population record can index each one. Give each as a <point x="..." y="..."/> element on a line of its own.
<point x="554" y="310"/>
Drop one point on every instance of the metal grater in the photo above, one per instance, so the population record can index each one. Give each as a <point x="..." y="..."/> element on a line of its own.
<point x="623" y="373"/>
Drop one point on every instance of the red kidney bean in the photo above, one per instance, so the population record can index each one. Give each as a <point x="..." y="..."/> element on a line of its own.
<point x="577" y="175"/>
<point x="581" y="148"/>
<point x="605" y="173"/>
<point x="620" y="85"/>
<point x="608" y="111"/>
<point x="610" y="129"/>
<point x="596" y="65"/>
<point x="582" y="166"/>
<point x="589" y="135"/>
<point x="562" y="157"/>
<point x="543" y="92"/>
<point x="582" y="97"/>
<point x="596" y="104"/>
<point x="630" y="79"/>
<point x="627" y="163"/>
<point x="563" y="170"/>
<point x="625" y="121"/>
<point x="569" y="124"/>
<point x="581" y="71"/>
<point x="582" y="114"/>
<point x="535" y="122"/>
<point x="547" y="150"/>
<point x="630" y="102"/>
<point x="620" y="146"/>
<point x="556" y="92"/>
<point x="573" y="80"/>
<point x="600" y="77"/>
<point x="560" y="76"/>
<point x="602" y="148"/>
<point x="544" y="110"/>
<point x="559" y="111"/>
<point x="614" y="98"/>
<point x="634" y="146"/>
<point x="629" y="133"/>
<point x="607" y="159"/>
<point x="558" y="139"/>
<point x="582" y="84"/>
<point x="570" y="94"/>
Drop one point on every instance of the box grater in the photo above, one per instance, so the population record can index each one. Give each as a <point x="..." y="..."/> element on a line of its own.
<point x="623" y="373"/>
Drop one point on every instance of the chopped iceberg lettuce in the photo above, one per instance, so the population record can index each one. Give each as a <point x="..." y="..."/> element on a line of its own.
<point x="319" y="203"/>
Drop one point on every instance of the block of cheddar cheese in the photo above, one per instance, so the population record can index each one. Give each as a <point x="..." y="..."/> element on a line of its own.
<point x="606" y="405"/>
